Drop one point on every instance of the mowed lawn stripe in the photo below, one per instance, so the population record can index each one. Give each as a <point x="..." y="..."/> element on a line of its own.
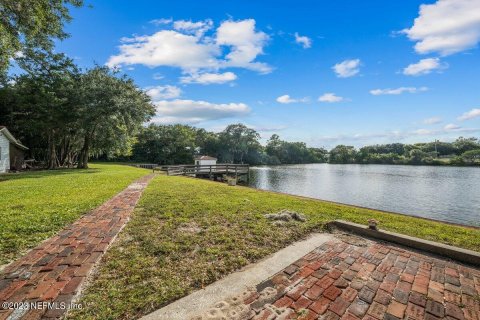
<point x="36" y="205"/>
<point x="186" y="233"/>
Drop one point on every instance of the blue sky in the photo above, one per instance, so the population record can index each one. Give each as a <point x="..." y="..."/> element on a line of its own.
<point x="323" y="72"/>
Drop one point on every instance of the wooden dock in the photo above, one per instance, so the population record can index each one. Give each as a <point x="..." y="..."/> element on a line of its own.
<point x="214" y="172"/>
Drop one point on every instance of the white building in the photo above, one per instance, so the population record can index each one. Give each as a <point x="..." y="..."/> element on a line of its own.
<point x="205" y="161"/>
<point x="11" y="151"/>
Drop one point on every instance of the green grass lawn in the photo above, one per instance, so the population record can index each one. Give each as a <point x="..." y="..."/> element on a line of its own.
<point x="158" y="259"/>
<point x="35" y="205"/>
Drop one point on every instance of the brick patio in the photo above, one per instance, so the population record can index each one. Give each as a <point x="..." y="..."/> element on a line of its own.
<point x="56" y="269"/>
<point x="353" y="278"/>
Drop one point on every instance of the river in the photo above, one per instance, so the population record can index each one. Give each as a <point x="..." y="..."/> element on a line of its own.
<point x="442" y="193"/>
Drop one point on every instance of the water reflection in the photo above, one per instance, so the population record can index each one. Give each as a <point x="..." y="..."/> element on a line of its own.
<point x="442" y="193"/>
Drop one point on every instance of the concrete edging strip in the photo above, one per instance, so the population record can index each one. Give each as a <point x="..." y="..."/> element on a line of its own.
<point x="459" y="254"/>
<point x="239" y="281"/>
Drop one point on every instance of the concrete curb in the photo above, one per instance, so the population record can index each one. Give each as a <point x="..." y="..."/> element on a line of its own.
<point x="459" y="254"/>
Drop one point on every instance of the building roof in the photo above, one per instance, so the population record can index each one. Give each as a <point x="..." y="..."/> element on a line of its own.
<point x="11" y="138"/>
<point x="205" y="158"/>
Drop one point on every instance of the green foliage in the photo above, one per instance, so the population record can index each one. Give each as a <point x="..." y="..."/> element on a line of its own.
<point x="293" y="152"/>
<point x="156" y="261"/>
<point x="27" y="25"/>
<point x="64" y="115"/>
<point x="170" y="144"/>
<point x="41" y="105"/>
<point x="112" y="110"/>
<point x="462" y="151"/>
<point x="240" y="143"/>
<point x="343" y="154"/>
<point x="471" y="156"/>
<point x="463" y="145"/>
<point x="36" y="205"/>
<point x="177" y="144"/>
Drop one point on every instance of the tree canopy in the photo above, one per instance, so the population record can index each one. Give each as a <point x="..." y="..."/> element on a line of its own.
<point x="66" y="115"/>
<point x="178" y="144"/>
<point x="457" y="152"/>
<point x="26" y="26"/>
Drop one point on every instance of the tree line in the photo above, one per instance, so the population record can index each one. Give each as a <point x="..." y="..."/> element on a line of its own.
<point x="462" y="151"/>
<point x="178" y="144"/>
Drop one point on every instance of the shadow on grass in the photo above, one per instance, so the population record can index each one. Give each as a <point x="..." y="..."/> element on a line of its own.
<point x="45" y="173"/>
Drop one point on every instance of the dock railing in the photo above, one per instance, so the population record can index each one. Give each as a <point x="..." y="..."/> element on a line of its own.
<point x="229" y="169"/>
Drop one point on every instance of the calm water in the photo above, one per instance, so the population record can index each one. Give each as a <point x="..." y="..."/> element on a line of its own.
<point x="442" y="193"/>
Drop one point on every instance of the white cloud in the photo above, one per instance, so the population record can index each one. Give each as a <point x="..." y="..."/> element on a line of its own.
<point x="474" y="113"/>
<point x="161" y="21"/>
<point x="432" y="120"/>
<point x="163" y="92"/>
<point x="235" y="44"/>
<point x="167" y="48"/>
<point x="285" y="99"/>
<point x="451" y="126"/>
<point x="347" y="68"/>
<point x="304" y="41"/>
<point x="191" y="111"/>
<point x="245" y="44"/>
<point x="446" y="26"/>
<point x="424" y="66"/>
<point x="330" y="97"/>
<point x="377" y="92"/>
<point x="209" y="78"/>
<point x="197" y="28"/>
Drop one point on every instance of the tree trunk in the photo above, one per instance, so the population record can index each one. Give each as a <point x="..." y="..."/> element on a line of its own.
<point x="83" y="157"/>
<point x="52" y="161"/>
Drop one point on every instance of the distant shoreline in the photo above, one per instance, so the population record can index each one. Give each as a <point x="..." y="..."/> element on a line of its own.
<point x="476" y="165"/>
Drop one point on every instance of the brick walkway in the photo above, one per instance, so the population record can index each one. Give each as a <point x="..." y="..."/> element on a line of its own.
<point x="352" y="278"/>
<point x="55" y="270"/>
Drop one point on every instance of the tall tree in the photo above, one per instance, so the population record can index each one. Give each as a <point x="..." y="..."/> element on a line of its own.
<point x="239" y="140"/>
<point x="42" y="103"/>
<point x="112" y="112"/>
<point x="343" y="154"/>
<point x="31" y="24"/>
<point x="166" y="144"/>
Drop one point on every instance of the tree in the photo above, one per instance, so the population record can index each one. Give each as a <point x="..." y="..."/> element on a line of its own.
<point x="112" y="112"/>
<point x="471" y="155"/>
<point x="343" y="154"/>
<point x="239" y="141"/>
<point x="318" y="155"/>
<point x="293" y="152"/>
<point x="417" y="156"/>
<point x="166" y="144"/>
<point x="207" y="143"/>
<point x="466" y="144"/>
<point x="65" y="115"/>
<point x="42" y="105"/>
<point x="26" y="25"/>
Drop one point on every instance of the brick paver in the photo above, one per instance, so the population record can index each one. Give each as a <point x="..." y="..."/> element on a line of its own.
<point x="55" y="270"/>
<point x="370" y="280"/>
